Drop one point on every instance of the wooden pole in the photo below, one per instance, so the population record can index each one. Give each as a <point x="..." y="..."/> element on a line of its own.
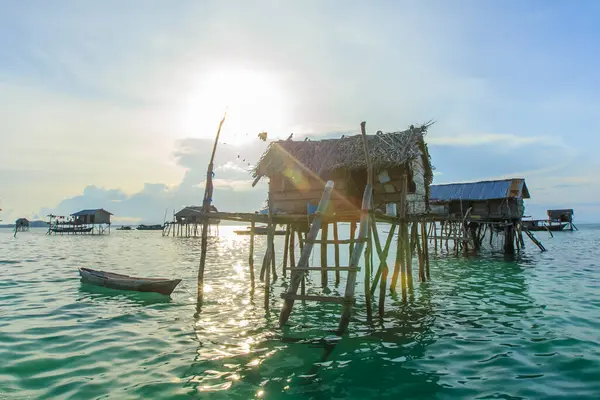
<point x="411" y="242"/>
<point x="363" y="131"/>
<point x="208" y="193"/>
<point x="292" y="248"/>
<point x="270" y="254"/>
<point x="251" y="255"/>
<point x="426" y="252"/>
<point x="324" y="233"/>
<point x="285" y="249"/>
<point x="420" y="250"/>
<point x="352" y="236"/>
<point x="337" y="252"/>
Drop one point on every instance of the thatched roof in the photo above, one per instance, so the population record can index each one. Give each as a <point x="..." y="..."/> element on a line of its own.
<point x="387" y="150"/>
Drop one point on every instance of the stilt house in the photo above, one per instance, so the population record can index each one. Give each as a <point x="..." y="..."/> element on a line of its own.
<point x="298" y="171"/>
<point x="489" y="200"/>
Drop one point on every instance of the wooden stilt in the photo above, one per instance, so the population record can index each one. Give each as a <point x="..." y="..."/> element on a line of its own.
<point x="352" y="236"/>
<point x="273" y="261"/>
<point x="337" y="252"/>
<point x="400" y="258"/>
<point x="324" y="233"/>
<point x="386" y="250"/>
<point x="425" y="250"/>
<point x="292" y="248"/>
<point x="420" y="258"/>
<point x="286" y="246"/>
<point x="251" y="256"/>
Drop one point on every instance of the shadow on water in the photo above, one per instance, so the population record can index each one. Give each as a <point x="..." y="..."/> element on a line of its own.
<point x="93" y="292"/>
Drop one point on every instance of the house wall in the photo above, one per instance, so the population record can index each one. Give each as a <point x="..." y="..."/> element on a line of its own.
<point x="417" y="200"/>
<point x="493" y="209"/>
<point x="292" y="192"/>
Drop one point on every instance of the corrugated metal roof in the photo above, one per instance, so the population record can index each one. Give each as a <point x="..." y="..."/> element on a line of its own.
<point x="486" y="190"/>
<point x="89" y="212"/>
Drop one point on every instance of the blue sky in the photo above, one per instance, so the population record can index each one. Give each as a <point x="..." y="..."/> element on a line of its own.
<point x="113" y="104"/>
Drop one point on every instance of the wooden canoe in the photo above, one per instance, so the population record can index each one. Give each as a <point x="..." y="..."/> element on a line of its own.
<point x="126" y="282"/>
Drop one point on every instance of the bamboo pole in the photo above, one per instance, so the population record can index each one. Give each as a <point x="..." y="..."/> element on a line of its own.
<point x="324" y="233"/>
<point x="337" y="252"/>
<point x="208" y="193"/>
<point x="363" y="131"/>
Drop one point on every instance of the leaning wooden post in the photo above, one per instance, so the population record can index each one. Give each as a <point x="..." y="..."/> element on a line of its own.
<point x="355" y="259"/>
<point x="208" y="193"/>
<point x="273" y="265"/>
<point x="251" y="256"/>
<point x="337" y="252"/>
<point x="324" y="232"/>
<point x="298" y="272"/>
<point x="285" y="249"/>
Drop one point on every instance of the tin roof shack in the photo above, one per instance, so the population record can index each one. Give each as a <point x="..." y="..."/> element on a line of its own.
<point x="489" y="200"/>
<point x="298" y="170"/>
<point x="92" y="217"/>
<point x="560" y="216"/>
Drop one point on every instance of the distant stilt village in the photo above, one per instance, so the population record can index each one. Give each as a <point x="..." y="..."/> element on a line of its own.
<point x="370" y="184"/>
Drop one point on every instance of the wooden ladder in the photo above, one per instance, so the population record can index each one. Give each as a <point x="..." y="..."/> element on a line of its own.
<point x="302" y="268"/>
<point x="533" y="238"/>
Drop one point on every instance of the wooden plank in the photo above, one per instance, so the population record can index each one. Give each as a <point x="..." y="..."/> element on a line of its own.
<point x="342" y="241"/>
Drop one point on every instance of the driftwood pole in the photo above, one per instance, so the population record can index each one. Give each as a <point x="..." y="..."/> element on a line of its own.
<point x="208" y="193"/>
<point x="365" y="141"/>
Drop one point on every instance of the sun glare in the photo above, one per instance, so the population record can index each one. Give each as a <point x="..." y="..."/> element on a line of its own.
<point x="254" y="101"/>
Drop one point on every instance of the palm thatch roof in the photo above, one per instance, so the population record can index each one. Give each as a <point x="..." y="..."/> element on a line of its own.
<point x="387" y="150"/>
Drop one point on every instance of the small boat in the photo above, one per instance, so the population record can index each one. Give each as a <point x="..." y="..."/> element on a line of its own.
<point x="124" y="228"/>
<point x="126" y="282"/>
<point x="259" y="230"/>
<point x="150" y="227"/>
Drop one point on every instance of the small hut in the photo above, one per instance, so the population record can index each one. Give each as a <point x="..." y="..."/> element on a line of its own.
<point x="489" y="200"/>
<point x="81" y="222"/>
<point x="22" y="225"/>
<point x="561" y="216"/>
<point x="188" y="221"/>
<point x="298" y="170"/>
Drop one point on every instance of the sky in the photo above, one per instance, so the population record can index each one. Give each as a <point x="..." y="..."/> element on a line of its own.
<point x="115" y="104"/>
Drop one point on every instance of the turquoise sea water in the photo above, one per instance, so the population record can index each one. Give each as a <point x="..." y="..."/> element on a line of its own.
<point x="484" y="327"/>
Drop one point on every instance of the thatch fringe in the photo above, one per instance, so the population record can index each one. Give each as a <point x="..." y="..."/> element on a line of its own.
<point x="386" y="149"/>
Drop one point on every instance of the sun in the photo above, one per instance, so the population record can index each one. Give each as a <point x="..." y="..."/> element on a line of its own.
<point x="255" y="101"/>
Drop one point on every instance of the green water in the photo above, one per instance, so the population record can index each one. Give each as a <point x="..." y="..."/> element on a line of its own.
<point x="484" y="327"/>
